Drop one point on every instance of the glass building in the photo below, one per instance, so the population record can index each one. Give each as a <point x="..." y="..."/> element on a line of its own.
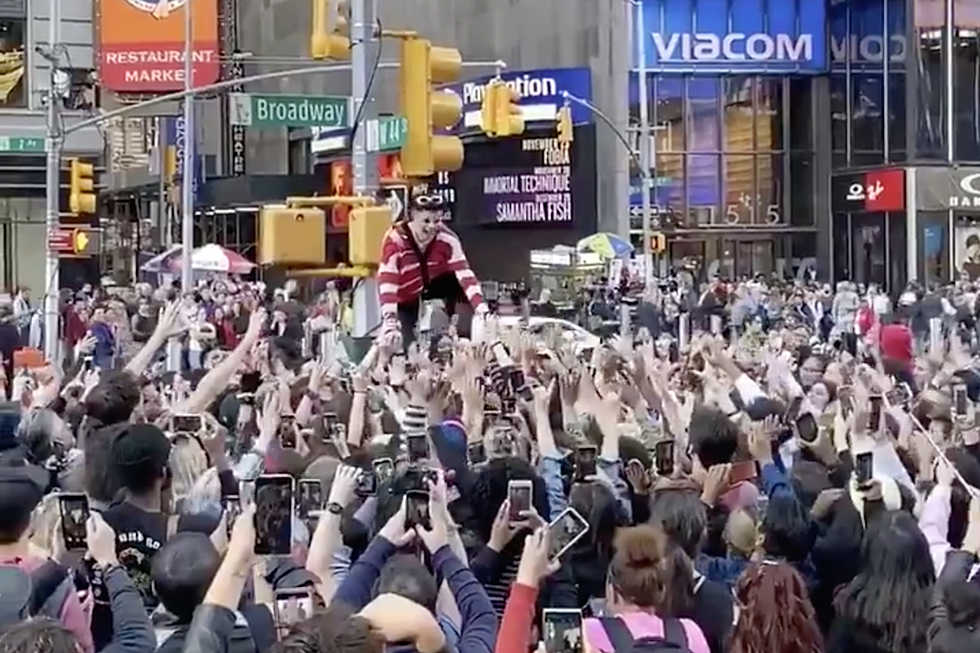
<point x="854" y="160"/>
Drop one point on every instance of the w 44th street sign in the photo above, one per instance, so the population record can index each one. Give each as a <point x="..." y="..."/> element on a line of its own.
<point x="248" y="110"/>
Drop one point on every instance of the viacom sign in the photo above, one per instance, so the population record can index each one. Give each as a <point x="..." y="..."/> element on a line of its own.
<point x="761" y="36"/>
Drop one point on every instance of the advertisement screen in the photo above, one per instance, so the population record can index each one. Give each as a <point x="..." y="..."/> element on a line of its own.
<point x="528" y="180"/>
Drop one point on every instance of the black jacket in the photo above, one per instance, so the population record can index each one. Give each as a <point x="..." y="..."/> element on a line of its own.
<point x="952" y="637"/>
<point x="211" y="630"/>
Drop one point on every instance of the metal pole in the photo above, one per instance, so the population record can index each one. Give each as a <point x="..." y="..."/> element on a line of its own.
<point x="52" y="148"/>
<point x="367" y="310"/>
<point x="645" y="141"/>
<point x="187" y="183"/>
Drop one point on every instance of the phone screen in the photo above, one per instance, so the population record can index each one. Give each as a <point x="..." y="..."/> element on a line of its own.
<point x="418" y="448"/>
<point x="250" y="382"/>
<point x="564" y="531"/>
<point x="417" y="510"/>
<point x="864" y="467"/>
<point x="287" y="432"/>
<point x="273" y="515"/>
<point x="960" y="398"/>
<point x="519" y="496"/>
<point x="232" y="508"/>
<point x="874" y="421"/>
<point x="292" y="606"/>
<point x="900" y="395"/>
<point x="367" y="484"/>
<point x="384" y="469"/>
<point x="561" y="630"/>
<point x="663" y="456"/>
<point x="74" y="516"/>
<point x="806" y="427"/>
<point x="186" y="423"/>
<point x="476" y="453"/>
<point x="309" y="499"/>
<point x="585" y="461"/>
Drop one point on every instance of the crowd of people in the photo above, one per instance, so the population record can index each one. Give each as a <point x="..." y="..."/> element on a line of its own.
<point x="795" y="484"/>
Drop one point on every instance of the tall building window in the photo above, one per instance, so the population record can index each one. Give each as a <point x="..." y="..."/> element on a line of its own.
<point x="13" y="63"/>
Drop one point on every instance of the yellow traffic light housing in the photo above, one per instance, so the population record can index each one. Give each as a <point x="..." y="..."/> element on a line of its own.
<point x="508" y="117"/>
<point x="366" y="232"/>
<point x="81" y="198"/>
<point x="566" y="130"/>
<point x="292" y="236"/>
<point x="658" y="243"/>
<point x="488" y="116"/>
<point x="331" y="30"/>
<point x="426" y="109"/>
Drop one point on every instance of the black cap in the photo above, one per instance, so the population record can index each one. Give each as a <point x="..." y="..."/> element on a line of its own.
<point x="22" y="486"/>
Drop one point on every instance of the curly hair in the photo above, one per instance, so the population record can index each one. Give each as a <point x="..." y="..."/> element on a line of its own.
<point x="775" y="612"/>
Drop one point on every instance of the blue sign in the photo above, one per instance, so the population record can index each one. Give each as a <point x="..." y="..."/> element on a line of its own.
<point x="741" y="36"/>
<point x="176" y="135"/>
<point x="541" y="98"/>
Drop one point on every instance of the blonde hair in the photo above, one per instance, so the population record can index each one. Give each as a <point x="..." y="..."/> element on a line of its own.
<point x="206" y="490"/>
<point x="188" y="462"/>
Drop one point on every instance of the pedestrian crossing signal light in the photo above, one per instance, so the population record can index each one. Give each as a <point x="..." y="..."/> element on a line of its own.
<point x="292" y="236"/>
<point x="565" y="127"/>
<point x="331" y="30"/>
<point x="366" y="233"/>
<point x="81" y="198"/>
<point x="658" y="243"/>
<point x="425" y="109"/>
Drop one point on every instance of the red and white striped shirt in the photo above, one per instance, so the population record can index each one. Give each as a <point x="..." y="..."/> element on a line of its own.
<point x="400" y="273"/>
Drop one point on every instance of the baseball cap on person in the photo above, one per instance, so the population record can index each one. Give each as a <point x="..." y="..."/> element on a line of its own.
<point x="21" y="487"/>
<point x="141" y="445"/>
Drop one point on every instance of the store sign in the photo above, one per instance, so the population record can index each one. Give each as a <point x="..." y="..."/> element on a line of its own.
<point x="872" y="191"/>
<point x="942" y="189"/>
<point x="752" y="36"/>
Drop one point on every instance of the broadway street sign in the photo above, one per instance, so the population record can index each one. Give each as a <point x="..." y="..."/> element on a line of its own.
<point x="249" y="110"/>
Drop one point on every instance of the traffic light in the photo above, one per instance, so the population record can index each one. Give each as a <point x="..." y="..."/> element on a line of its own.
<point x="488" y="114"/>
<point x="366" y="232"/>
<point x="658" y="243"/>
<point x="81" y="199"/>
<point x="426" y="109"/>
<point x="566" y="130"/>
<point x="331" y="30"/>
<point x="508" y="117"/>
<point x="292" y="236"/>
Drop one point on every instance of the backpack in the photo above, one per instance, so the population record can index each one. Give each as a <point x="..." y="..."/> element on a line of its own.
<point x="673" y="641"/>
<point x="24" y="595"/>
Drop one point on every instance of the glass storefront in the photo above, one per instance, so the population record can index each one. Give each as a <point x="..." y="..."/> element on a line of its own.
<point x="735" y="171"/>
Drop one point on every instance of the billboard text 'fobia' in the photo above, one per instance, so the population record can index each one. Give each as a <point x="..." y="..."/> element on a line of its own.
<point x="141" y="44"/>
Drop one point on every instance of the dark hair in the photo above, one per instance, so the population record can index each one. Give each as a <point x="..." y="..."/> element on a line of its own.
<point x="181" y="572"/>
<point x="682" y="517"/>
<point x="406" y="576"/>
<point x="489" y="491"/>
<point x="114" y="399"/>
<point x="102" y="481"/>
<point x="41" y="635"/>
<point x="335" y="629"/>
<point x="786" y="529"/>
<point x="713" y="436"/>
<point x="891" y="594"/>
<point x="775" y="612"/>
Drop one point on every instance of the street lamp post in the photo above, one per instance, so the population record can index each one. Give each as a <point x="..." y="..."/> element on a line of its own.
<point x="190" y="140"/>
<point x="646" y="142"/>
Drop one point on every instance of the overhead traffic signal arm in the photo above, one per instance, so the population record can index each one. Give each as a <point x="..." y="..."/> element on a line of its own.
<point x="426" y="109"/>
<point x="81" y="196"/>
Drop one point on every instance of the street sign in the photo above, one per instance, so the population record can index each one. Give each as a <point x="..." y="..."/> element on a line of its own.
<point x="21" y="144"/>
<point x="250" y="110"/>
<point x="75" y="241"/>
<point x="397" y="198"/>
<point x="386" y="133"/>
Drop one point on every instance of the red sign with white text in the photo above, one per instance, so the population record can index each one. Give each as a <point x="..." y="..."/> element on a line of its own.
<point x="886" y="190"/>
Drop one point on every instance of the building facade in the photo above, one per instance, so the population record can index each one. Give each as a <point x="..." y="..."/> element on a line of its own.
<point x="24" y="80"/>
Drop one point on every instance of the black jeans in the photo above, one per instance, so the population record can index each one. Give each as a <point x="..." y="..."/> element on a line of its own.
<point x="445" y="287"/>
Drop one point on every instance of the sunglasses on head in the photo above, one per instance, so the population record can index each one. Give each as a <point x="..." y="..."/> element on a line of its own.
<point x="427" y="202"/>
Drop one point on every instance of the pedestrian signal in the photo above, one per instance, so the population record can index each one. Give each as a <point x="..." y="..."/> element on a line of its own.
<point x="292" y="236"/>
<point x="366" y="233"/>
<point x="658" y="243"/>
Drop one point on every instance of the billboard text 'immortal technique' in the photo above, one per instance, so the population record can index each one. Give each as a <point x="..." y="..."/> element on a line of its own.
<point x="141" y="44"/>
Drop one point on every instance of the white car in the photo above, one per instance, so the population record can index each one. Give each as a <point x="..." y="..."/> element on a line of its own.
<point x="584" y="340"/>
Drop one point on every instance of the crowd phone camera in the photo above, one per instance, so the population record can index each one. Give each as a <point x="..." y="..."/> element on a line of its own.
<point x="864" y="468"/>
<point x="900" y="395"/>
<point x="74" y="520"/>
<point x="273" y="514"/>
<point x="874" y="420"/>
<point x="961" y="400"/>
<point x="186" y="423"/>
<point x="417" y="510"/>
<point x="806" y="427"/>
<point x="367" y="484"/>
<point x="232" y="507"/>
<point x="564" y="531"/>
<point x="519" y="496"/>
<point x="663" y="457"/>
<point x="476" y="453"/>
<point x="418" y="447"/>
<point x="384" y="469"/>
<point x="287" y="432"/>
<point x="309" y="499"/>
<point x="585" y="461"/>
<point x="561" y="630"/>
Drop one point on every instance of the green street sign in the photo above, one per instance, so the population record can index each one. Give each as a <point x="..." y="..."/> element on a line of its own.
<point x="21" y="144"/>
<point x="385" y="134"/>
<point x="250" y="110"/>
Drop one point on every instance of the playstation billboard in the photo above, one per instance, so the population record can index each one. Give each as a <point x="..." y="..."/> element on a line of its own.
<point x="734" y="36"/>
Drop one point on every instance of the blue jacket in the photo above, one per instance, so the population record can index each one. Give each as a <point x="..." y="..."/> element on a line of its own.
<point x="105" y="345"/>
<point x="479" y="622"/>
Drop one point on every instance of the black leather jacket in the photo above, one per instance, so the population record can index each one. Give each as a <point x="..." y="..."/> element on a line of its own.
<point x="210" y="631"/>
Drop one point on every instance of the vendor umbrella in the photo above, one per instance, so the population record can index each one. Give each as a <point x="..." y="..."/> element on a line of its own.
<point x="162" y="262"/>
<point x="608" y="246"/>
<point x="215" y="258"/>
